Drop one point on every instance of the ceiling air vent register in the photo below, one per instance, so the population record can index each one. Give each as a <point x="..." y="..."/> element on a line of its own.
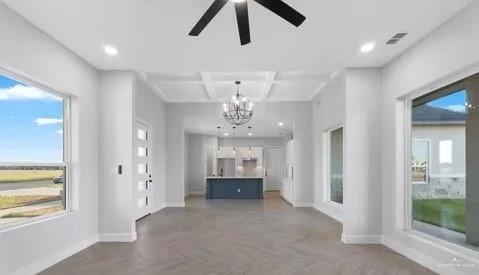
<point x="396" y="38"/>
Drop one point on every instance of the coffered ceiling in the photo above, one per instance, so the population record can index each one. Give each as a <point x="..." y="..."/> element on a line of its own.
<point x="260" y="86"/>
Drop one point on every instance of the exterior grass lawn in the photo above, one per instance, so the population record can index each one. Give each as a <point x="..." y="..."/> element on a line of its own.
<point x="447" y="213"/>
<point x="17" y="201"/>
<point x="12" y="176"/>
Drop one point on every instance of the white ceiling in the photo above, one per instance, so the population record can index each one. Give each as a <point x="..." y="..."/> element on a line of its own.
<point x="260" y="86"/>
<point x="283" y="63"/>
<point x="152" y="35"/>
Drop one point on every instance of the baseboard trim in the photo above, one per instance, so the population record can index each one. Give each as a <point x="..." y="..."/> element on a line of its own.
<point x="55" y="258"/>
<point x="329" y="213"/>
<point x="413" y="254"/>
<point x="162" y="206"/>
<point x="175" y="204"/>
<point x="361" y="239"/>
<point x="286" y="200"/>
<point x="117" y="237"/>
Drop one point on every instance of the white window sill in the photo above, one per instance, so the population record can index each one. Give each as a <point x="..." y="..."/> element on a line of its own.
<point x="333" y="204"/>
<point x="451" y="247"/>
<point x="32" y="221"/>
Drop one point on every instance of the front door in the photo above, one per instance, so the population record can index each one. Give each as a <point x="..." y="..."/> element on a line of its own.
<point x="272" y="171"/>
<point x="143" y="166"/>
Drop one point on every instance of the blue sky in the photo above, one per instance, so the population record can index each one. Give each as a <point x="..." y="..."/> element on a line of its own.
<point x="454" y="102"/>
<point x="30" y="123"/>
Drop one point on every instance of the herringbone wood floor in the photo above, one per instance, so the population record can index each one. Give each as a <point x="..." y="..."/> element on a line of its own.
<point x="237" y="237"/>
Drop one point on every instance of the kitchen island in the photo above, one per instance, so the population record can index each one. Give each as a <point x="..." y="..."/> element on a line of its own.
<point x="234" y="188"/>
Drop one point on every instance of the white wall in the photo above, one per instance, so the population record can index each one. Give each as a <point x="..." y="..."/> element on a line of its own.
<point x="196" y="162"/>
<point x="116" y="222"/>
<point x="299" y="113"/>
<point x="351" y="100"/>
<point x="187" y="164"/>
<point x="329" y="111"/>
<point x="446" y="55"/>
<point x="32" y="54"/>
<point x="362" y="157"/>
<point x="150" y="109"/>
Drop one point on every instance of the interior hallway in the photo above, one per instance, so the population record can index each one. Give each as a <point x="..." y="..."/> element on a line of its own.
<point x="237" y="237"/>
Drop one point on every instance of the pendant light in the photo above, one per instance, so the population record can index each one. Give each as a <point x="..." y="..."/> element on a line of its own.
<point x="250" y="134"/>
<point x="234" y="140"/>
<point x="218" y="142"/>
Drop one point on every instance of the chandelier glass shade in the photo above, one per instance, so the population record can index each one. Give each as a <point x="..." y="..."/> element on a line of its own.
<point x="239" y="109"/>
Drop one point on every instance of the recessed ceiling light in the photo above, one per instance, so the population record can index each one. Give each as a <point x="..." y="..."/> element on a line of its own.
<point x="110" y="50"/>
<point x="226" y="134"/>
<point x="368" y="47"/>
<point x="250" y="134"/>
<point x="281" y="124"/>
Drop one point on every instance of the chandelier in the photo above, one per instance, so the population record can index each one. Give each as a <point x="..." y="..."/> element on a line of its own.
<point x="239" y="109"/>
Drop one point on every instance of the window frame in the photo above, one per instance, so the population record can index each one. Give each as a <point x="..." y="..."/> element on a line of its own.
<point x="403" y="200"/>
<point x="67" y="150"/>
<point x="405" y="135"/>
<point x="327" y="165"/>
<point x="429" y="158"/>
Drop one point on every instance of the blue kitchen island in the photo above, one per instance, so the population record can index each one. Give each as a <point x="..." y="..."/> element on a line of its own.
<point x="234" y="188"/>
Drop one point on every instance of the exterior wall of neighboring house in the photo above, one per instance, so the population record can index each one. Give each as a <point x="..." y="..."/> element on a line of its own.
<point x="446" y="161"/>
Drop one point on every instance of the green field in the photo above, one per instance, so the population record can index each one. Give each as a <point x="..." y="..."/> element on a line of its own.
<point x="12" y="176"/>
<point x="447" y="213"/>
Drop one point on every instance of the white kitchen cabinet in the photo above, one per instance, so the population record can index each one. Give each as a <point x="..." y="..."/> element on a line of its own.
<point x="242" y="153"/>
<point x="225" y="152"/>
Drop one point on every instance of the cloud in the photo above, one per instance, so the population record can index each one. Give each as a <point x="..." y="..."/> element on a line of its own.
<point x="60" y="132"/>
<point x="21" y="92"/>
<point x="47" y="121"/>
<point x="457" y="108"/>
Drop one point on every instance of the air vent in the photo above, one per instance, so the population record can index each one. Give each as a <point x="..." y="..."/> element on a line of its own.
<point x="396" y="38"/>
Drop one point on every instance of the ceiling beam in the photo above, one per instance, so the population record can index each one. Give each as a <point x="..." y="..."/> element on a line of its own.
<point x="318" y="90"/>
<point x="210" y="90"/>
<point x="282" y="81"/>
<point x="325" y="83"/>
<point x="144" y="78"/>
<point x="270" y="80"/>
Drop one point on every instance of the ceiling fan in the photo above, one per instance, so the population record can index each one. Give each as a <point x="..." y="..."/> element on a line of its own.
<point x="276" y="6"/>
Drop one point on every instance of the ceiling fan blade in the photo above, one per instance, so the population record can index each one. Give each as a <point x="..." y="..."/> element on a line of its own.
<point x="284" y="11"/>
<point x="243" y="22"/>
<point x="208" y="16"/>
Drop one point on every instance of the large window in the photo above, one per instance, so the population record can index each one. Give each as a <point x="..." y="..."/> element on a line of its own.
<point x="33" y="154"/>
<point x="444" y="158"/>
<point x="335" y="165"/>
